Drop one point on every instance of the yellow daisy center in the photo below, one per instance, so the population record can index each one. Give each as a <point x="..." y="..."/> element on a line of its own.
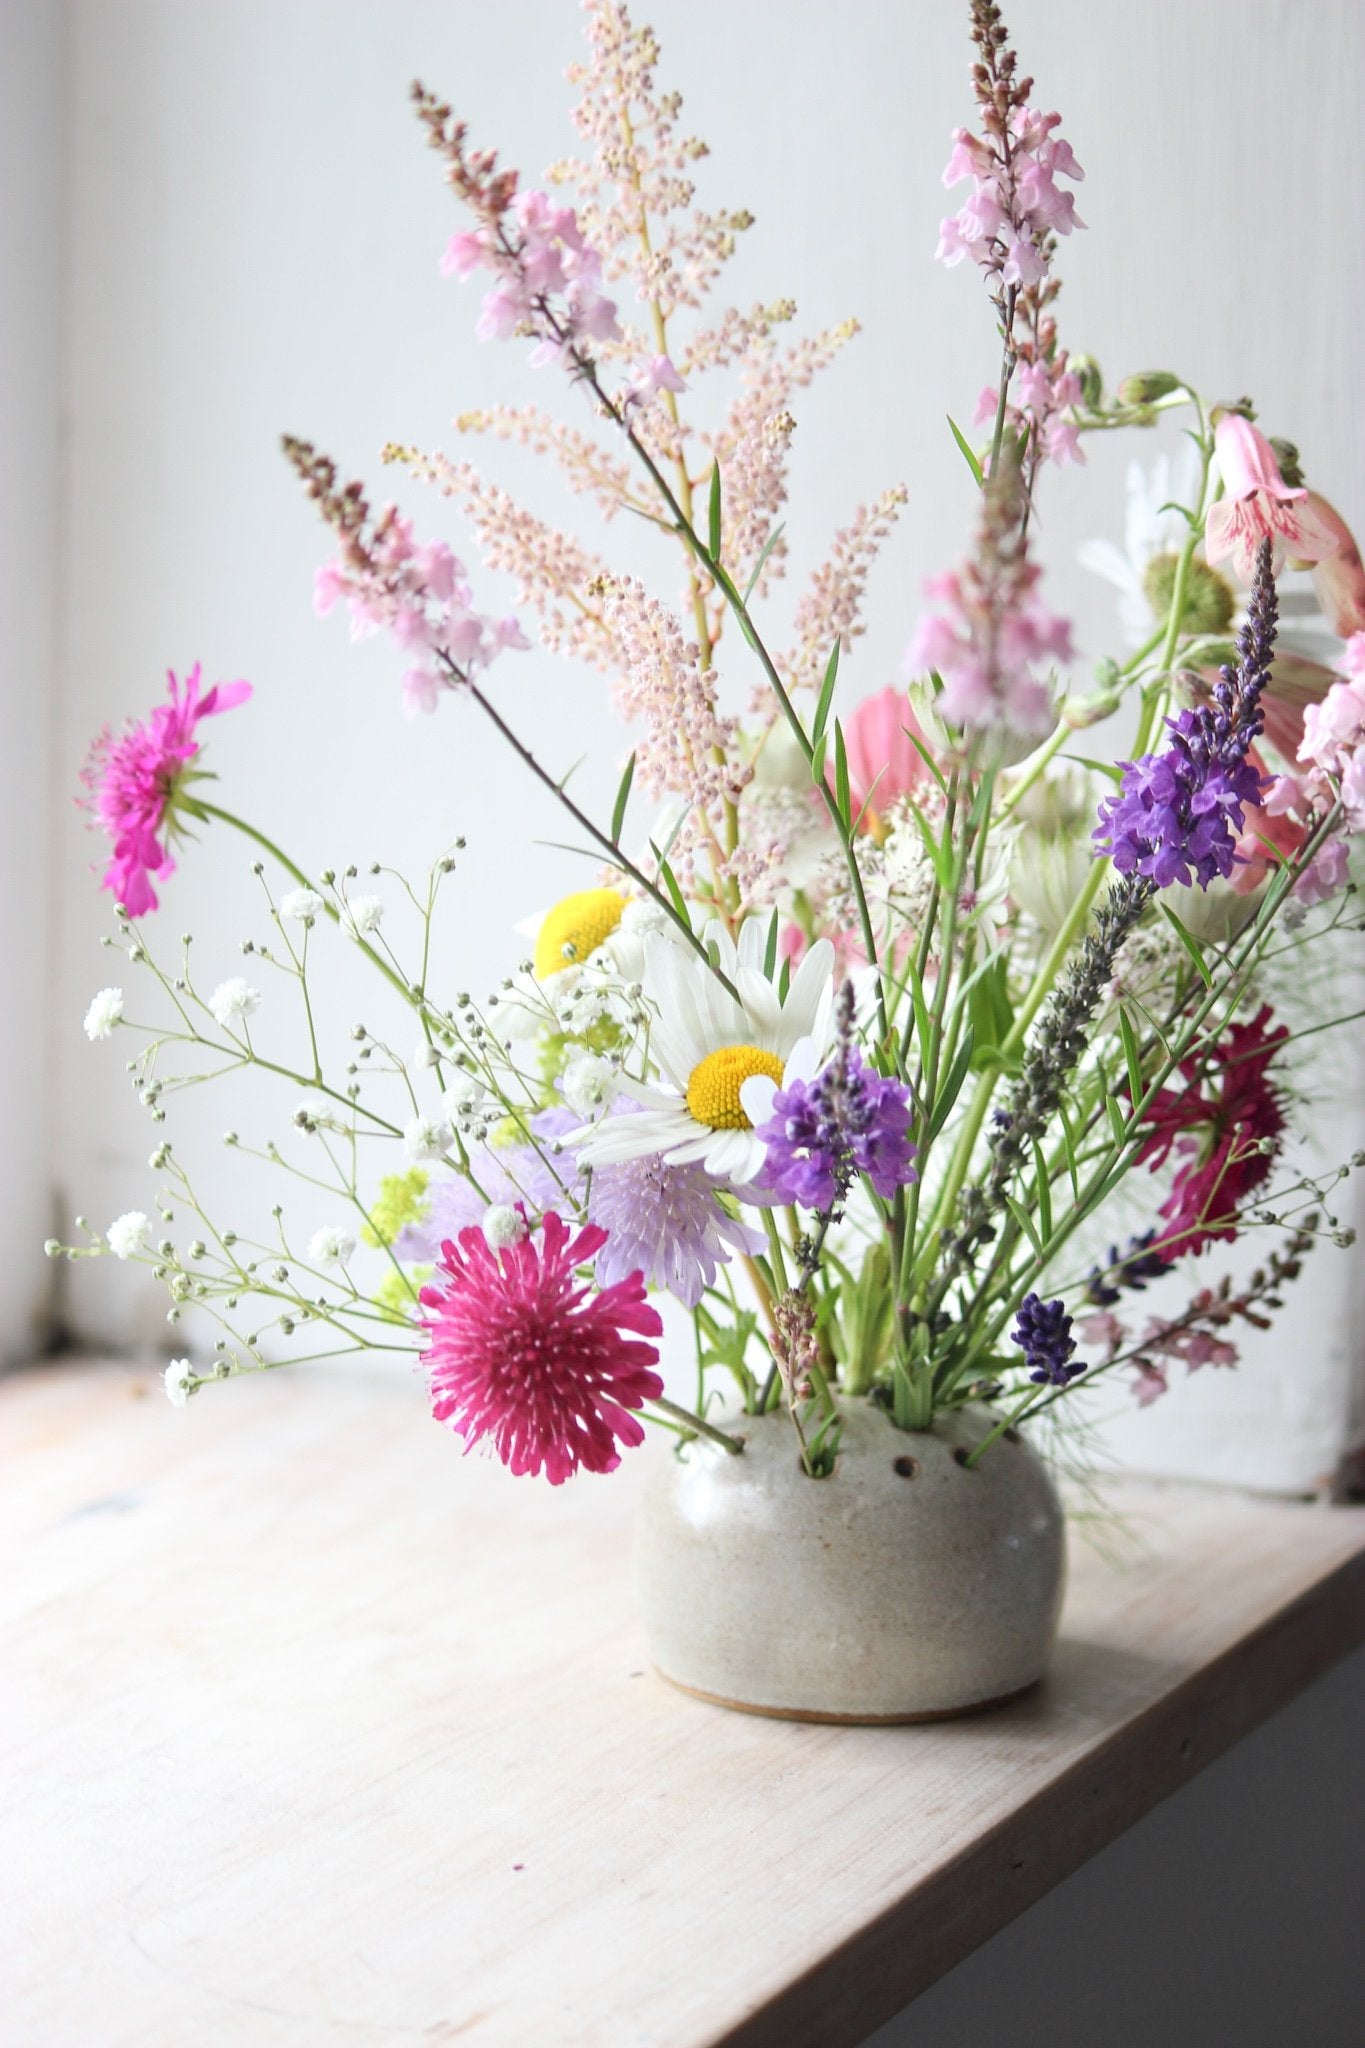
<point x="576" y="927"/>
<point x="713" y="1086"/>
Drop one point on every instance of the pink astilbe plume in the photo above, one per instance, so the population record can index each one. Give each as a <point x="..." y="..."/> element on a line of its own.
<point x="521" y="1352"/>
<point x="390" y="582"/>
<point x="132" y="778"/>
<point x="991" y="629"/>
<point x="831" y="609"/>
<point x="688" y="751"/>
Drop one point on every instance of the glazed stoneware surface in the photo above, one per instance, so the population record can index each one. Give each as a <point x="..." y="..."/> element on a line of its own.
<point x="905" y="1586"/>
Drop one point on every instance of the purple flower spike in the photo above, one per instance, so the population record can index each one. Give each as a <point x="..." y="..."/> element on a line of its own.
<point x="848" y="1120"/>
<point x="1043" y="1334"/>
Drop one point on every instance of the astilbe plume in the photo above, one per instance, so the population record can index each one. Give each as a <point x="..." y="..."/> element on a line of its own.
<point x="992" y="628"/>
<point x="418" y="592"/>
<point x="831" y="608"/>
<point x="555" y="573"/>
<point x="132" y="777"/>
<point x="523" y="1354"/>
<point x="1177" y="814"/>
<point x="688" y="750"/>
<point x="1225" y="1125"/>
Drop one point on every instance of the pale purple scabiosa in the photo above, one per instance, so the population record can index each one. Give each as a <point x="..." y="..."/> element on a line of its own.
<point x="1042" y="1331"/>
<point x="1177" y="814"/>
<point x="666" y="1222"/>
<point x="134" y="777"/>
<point x="523" y="1353"/>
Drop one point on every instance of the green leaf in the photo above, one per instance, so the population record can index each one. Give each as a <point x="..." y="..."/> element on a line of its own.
<point x="618" y="811"/>
<point x="784" y="980"/>
<point x="1106" y="768"/>
<point x="968" y="457"/>
<point x="990" y="1010"/>
<point x="951" y="1087"/>
<point x="1043" y="1189"/>
<point x="670" y="882"/>
<point x="1025" y="1222"/>
<point x="817" y="759"/>
<point x="1132" y="1054"/>
<point x="941" y="856"/>
<point x="770" y="950"/>
<point x="1069" y="1139"/>
<point x="841" y="793"/>
<point x="713" y="515"/>
<point x="1116" y="1122"/>
<point x="826" y="693"/>
<point x="930" y="763"/>
<point x="769" y="544"/>
<point x="1189" y="942"/>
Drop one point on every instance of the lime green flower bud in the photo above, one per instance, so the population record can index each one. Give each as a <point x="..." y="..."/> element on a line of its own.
<point x="1146" y="386"/>
<point x="1091" y="376"/>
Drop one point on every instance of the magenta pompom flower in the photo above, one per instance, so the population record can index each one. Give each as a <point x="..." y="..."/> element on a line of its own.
<point x="520" y="1351"/>
<point x="132" y="778"/>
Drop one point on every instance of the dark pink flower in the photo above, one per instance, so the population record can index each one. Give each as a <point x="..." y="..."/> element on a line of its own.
<point x="132" y="779"/>
<point x="520" y="1351"/>
<point x="1225" y="1126"/>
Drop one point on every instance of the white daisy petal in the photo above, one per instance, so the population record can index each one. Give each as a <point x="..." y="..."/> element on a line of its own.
<point x="756" y="1096"/>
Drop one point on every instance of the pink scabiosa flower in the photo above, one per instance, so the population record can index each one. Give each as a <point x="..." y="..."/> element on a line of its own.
<point x="520" y="1351"/>
<point x="132" y="779"/>
<point x="1257" y="504"/>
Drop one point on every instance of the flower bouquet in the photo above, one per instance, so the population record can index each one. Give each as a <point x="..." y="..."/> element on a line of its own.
<point x="870" y="1027"/>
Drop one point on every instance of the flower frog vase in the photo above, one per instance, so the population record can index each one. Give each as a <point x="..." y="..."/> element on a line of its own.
<point x="908" y="1584"/>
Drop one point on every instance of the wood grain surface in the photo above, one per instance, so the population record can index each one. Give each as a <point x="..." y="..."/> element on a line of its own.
<point x="316" y="1733"/>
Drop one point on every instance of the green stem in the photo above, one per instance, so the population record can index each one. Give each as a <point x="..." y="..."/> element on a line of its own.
<point x="694" y="1425"/>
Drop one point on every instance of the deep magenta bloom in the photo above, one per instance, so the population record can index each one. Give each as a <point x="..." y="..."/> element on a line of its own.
<point x="1225" y="1126"/>
<point x="520" y="1351"/>
<point x="132" y="779"/>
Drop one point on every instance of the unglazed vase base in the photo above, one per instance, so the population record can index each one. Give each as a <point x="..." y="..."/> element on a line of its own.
<point x="716" y="1699"/>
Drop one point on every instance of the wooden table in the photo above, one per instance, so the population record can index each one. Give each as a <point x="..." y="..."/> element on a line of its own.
<point x="317" y="1733"/>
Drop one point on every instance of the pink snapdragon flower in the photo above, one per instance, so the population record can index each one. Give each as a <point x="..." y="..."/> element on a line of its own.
<point x="548" y="279"/>
<point x="1016" y="203"/>
<point x="521" y="1352"/>
<point x="1257" y="504"/>
<point x="132" y="779"/>
<point x="985" y="637"/>
<point x="420" y="596"/>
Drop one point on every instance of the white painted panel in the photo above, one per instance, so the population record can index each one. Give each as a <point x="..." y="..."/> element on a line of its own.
<point x="32" y="60"/>
<point x="255" y="239"/>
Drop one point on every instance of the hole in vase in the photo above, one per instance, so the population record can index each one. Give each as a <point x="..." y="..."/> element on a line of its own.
<point x="908" y="1468"/>
<point x="1012" y="1436"/>
<point x="961" y="1455"/>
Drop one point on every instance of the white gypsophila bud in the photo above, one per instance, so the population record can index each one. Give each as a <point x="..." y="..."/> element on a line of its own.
<point x="178" y="1380"/>
<point x="588" y="1084"/>
<point x="332" y="1246"/>
<point x="105" y="1011"/>
<point x="303" y="905"/>
<point x="127" y="1234"/>
<point x="427" y="1055"/>
<point x="427" y="1137"/>
<point x="503" y="1226"/>
<point x="234" y="1000"/>
<point x="361" y="915"/>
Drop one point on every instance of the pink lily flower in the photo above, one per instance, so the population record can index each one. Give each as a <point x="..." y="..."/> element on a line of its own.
<point x="1339" y="578"/>
<point x="1258" y="504"/>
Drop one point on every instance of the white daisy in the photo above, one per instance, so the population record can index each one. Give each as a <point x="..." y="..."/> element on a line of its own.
<point x="106" y="1010"/>
<point x="721" y="1060"/>
<point x="1149" y="530"/>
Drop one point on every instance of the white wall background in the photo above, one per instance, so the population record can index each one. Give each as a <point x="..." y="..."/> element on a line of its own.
<point x="250" y="244"/>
